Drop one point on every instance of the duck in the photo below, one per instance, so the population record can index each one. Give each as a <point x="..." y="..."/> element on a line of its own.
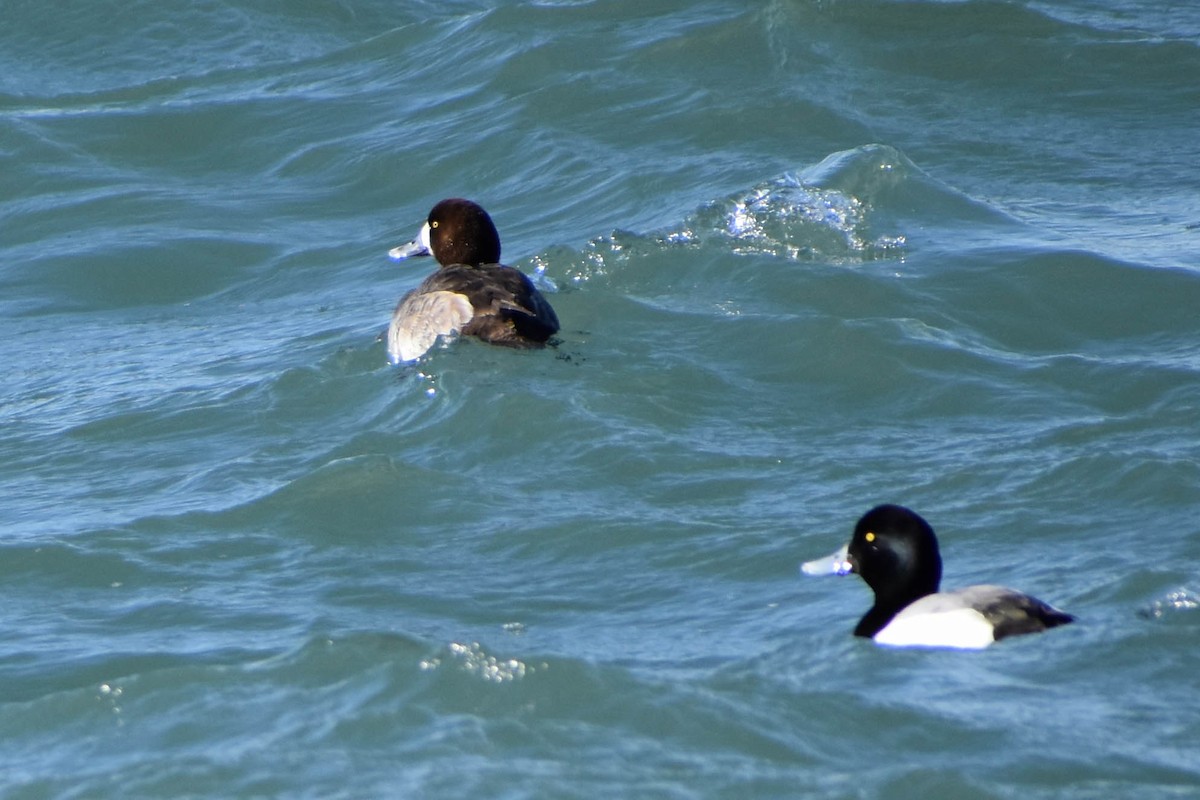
<point x="471" y="293"/>
<point x="896" y="552"/>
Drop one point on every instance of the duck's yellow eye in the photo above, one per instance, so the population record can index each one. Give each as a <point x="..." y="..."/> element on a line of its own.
<point x="433" y="224"/>
<point x="870" y="537"/>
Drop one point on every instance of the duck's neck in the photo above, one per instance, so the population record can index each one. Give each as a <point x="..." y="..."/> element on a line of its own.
<point x="889" y="604"/>
<point x="874" y="621"/>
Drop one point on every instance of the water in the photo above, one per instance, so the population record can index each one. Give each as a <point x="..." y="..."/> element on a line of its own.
<point x="808" y="256"/>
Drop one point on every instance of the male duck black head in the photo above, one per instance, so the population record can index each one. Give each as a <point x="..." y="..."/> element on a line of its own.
<point x="471" y="293"/>
<point x="896" y="553"/>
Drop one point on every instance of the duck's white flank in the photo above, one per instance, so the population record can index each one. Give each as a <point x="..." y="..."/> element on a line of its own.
<point x="421" y="318"/>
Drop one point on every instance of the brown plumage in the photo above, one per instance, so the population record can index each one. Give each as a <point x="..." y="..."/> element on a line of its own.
<point x="471" y="293"/>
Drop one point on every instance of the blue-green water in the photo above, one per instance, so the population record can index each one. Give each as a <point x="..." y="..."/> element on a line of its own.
<point x="808" y="257"/>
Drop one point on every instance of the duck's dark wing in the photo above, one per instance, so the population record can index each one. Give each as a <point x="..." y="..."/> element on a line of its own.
<point x="1013" y="613"/>
<point x="509" y="310"/>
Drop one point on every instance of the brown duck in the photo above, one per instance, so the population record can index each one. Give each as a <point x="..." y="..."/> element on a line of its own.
<point x="471" y="293"/>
